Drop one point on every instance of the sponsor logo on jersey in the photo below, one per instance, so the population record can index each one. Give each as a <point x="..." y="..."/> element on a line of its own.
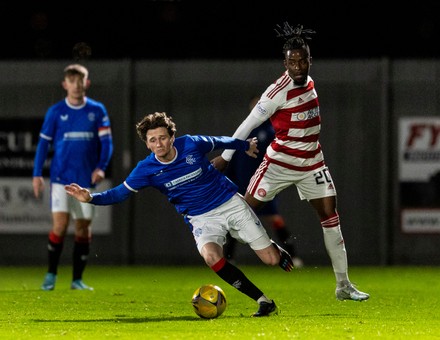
<point x="183" y="179"/>
<point x="261" y="110"/>
<point x="78" y="135"/>
<point x="305" y="115"/>
<point x="64" y="117"/>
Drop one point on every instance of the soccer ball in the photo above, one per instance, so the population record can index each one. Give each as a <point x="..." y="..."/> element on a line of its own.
<point x="209" y="301"/>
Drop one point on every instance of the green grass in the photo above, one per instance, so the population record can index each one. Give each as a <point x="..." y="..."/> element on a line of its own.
<point x="154" y="303"/>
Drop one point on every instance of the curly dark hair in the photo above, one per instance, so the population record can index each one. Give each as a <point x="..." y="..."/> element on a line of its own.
<point x="154" y="121"/>
<point x="296" y="38"/>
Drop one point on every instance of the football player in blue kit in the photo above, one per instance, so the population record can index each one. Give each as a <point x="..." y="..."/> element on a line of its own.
<point x="78" y="131"/>
<point x="206" y="198"/>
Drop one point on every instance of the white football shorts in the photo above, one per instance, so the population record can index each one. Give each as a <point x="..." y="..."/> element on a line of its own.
<point x="234" y="216"/>
<point x="62" y="202"/>
<point x="310" y="185"/>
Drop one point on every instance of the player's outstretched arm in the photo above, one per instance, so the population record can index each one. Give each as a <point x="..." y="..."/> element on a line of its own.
<point x="81" y="194"/>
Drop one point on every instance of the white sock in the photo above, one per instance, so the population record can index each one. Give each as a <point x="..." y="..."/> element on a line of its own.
<point x="334" y="243"/>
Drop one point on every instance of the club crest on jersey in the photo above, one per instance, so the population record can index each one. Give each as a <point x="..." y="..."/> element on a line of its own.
<point x="261" y="192"/>
<point x="91" y="116"/>
<point x="190" y="159"/>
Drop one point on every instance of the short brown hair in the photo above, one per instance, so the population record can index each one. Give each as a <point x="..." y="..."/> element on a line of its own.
<point x="74" y="69"/>
<point x="154" y="121"/>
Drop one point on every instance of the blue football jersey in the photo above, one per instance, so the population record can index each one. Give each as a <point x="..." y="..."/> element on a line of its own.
<point x="81" y="141"/>
<point x="189" y="181"/>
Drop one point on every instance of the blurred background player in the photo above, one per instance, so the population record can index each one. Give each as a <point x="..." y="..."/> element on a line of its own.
<point x="78" y="131"/>
<point x="240" y="170"/>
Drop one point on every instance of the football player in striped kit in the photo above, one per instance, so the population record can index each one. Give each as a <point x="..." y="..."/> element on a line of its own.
<point x="78" y="131"/>
<point x="240" y="169"/>
<point x="295" y="156"/>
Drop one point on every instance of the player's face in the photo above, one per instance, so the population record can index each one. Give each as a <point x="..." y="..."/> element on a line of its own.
<point x="161" y="144"/>
<point x="297" y="63"/>
<point x="76" y="86"/>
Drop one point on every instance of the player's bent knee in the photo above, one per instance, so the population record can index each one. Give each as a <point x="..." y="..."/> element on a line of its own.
<point x="211" y="256"/>
<point x="211" y="260"/>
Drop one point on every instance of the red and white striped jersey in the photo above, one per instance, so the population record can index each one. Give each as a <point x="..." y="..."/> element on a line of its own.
<point x="294" y="113"/>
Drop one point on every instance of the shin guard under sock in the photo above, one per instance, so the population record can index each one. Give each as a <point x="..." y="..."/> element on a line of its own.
<point x="236" y="278"/>
<point x="55" y="248"/>
<point x="81" y="251"/>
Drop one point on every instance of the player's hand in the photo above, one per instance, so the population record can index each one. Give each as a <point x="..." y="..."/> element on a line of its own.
<point x="97" y="176"/>
<point x="81" y="194"/>
<point x="38" y="185"/>
<point x="219" y="163"/>
<point x="253" y="150"/>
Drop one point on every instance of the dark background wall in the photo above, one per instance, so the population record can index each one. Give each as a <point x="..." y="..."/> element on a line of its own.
<point x="361" y="101"/>
<point x="227" y="29"/>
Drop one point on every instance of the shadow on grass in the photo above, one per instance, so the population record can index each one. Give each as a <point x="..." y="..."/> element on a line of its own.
<point x="330" y="315"/>
<point x="183" y="318"/>
<point x="132" y="320"/>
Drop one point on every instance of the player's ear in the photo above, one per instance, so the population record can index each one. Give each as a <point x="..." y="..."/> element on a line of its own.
<point x="88" y="82"/>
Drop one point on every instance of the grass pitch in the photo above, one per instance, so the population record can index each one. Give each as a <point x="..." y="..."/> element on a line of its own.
<point x="146" y="302"/>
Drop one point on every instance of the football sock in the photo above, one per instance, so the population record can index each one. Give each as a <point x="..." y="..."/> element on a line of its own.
<point x="334" y="243"/>
<point x="229" y="247"/>
<point x="236" y="279"/>
<point x="55" y="247"/>
<point x="284" y="237"/>
<point x="81" y="251"/>
<point x="282" y="234"/>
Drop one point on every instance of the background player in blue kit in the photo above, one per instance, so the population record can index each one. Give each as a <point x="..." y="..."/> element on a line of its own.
<point x="240" y="170"/>
<point x="78" y="131"/>
<point x="208" y="200"/>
